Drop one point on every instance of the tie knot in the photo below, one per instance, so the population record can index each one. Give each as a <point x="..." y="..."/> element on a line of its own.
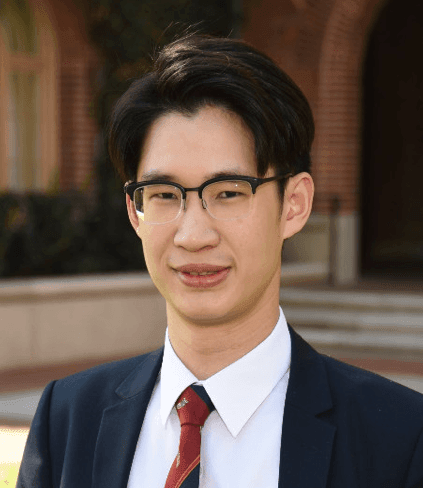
<point x="194" y="406"/>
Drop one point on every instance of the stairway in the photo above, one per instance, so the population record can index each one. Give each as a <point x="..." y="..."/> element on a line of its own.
<point x="357" y="323"/>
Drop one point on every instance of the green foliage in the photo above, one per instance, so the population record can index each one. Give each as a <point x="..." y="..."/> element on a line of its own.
<point x="53" y="235"/>
<point x="9" y="475"/>
<point x="127" y="32"/>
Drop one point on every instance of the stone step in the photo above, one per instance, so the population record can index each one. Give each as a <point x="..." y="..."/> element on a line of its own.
<point x="355" y="300"/>
<point x="365" y="340"/>
<point x="348" y="319"/>
<point x="357" y="323"/>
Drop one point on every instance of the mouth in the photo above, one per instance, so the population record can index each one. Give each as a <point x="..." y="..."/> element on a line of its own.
<point x="202" y="275"/>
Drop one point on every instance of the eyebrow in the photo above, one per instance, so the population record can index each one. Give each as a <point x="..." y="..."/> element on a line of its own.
<point x="158" y="175"/>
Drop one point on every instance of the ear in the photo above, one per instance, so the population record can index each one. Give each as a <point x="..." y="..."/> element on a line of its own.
<point x="298" y="201"/>
<point x="132" y="214"/>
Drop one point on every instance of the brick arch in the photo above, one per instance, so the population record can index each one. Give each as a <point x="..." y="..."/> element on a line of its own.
<point x="337" y="149"/>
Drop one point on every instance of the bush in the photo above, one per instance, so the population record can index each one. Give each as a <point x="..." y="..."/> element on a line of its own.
<point x="53" y="235"/>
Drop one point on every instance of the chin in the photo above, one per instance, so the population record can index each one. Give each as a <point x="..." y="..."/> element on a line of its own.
<point x="203" y="315"/>
<point x="206" y="312"/>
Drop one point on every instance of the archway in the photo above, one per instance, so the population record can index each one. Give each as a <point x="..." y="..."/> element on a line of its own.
<point x="392" y="156"/>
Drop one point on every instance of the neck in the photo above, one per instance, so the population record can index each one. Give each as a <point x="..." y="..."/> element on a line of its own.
<point x="206" y="349"/>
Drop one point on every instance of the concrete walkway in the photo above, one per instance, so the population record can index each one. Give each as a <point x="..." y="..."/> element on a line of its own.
<point x="19" y="407"/>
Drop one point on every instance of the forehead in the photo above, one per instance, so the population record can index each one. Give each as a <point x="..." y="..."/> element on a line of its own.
<point x="198" y="146"/>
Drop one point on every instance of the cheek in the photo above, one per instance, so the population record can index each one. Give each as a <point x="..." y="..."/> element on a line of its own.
<point x="265" y="252"/>
<point x="152" y="243"/>
<point x="263" y="236"/>
<point x="158" y="245"/>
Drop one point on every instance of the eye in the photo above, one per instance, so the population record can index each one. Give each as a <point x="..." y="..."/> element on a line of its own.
<point x="161" y="193"/>
<point x="227" y="191"/>
<point x="228" y="194"/>
<point x="164" y="196"/>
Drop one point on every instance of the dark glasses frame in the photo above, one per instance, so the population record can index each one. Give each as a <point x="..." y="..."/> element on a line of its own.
<point x="130" y="186"/>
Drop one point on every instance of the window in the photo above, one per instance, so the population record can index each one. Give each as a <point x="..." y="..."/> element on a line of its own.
<point x="28" y="103"/>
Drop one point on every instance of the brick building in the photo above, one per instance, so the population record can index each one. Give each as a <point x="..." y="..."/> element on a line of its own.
<point x="354" y="59"/>
<point x="357" y="62"/>
<point x="46" y="75"/>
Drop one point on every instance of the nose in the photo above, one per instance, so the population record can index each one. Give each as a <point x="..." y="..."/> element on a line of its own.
<point x="196" y="228"/>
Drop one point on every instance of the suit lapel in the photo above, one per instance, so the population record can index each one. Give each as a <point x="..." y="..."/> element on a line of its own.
<point x="306" y="439"/>
<point x="121" y="424"/>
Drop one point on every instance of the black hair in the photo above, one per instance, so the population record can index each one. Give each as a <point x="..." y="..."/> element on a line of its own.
<point x="199" y="70"/>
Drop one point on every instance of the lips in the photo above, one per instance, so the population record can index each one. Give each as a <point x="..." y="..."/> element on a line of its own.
<point x="202" y="275"/>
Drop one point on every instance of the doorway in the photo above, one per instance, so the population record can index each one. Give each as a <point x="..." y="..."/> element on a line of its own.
<point x="392" y="158"/>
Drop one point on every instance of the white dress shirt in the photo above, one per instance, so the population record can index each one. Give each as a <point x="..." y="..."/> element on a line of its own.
<point x="241" y="439"/>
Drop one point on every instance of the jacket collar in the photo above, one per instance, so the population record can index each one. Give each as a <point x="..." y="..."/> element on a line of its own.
<point x="307" y="440"/>
<point x="144" y="376"/>
<point x="121" y="424"/>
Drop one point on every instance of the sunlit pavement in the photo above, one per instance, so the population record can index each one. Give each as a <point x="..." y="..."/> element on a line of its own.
<point x="12" y="443"/>
<point x="15" y="409"/>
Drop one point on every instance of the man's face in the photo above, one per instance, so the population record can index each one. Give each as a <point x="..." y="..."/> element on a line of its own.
<point x="245" y="253"/>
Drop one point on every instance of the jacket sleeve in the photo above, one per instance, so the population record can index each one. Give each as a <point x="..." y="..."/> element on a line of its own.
<point x="35" y="470"/>
<point x="415" y="471"/>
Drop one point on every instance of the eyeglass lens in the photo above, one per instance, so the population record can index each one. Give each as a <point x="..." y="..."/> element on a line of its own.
<point x="224" y="200"/>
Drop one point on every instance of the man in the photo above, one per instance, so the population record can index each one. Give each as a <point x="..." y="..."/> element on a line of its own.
<point x="214" y="145"/>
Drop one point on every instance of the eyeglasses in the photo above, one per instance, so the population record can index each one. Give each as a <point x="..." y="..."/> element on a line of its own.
<point x="224" y="197"/>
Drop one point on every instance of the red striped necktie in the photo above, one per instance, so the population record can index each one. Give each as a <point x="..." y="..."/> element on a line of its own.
<point x="193" y="407"/>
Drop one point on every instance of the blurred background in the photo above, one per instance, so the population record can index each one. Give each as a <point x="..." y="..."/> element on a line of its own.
<point x="73" y="287"/>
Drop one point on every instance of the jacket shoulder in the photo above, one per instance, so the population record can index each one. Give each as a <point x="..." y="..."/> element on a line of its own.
<point x="368" y="391"/>
<point x="97" y="386"/>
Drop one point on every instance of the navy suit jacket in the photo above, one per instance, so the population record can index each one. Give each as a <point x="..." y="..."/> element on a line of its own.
<point x="342" y="427"/>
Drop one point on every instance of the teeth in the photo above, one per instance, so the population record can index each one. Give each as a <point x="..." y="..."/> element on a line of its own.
<point x="203" y="274"/>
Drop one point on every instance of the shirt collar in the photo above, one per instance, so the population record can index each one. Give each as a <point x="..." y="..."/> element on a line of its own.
<point x="237" y="390"/>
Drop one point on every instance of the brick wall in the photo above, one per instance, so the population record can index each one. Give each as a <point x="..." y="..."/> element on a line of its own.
<point x="78" y="127"/>
<point x="321" y="44"/>
<point x="77" y="66"/>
